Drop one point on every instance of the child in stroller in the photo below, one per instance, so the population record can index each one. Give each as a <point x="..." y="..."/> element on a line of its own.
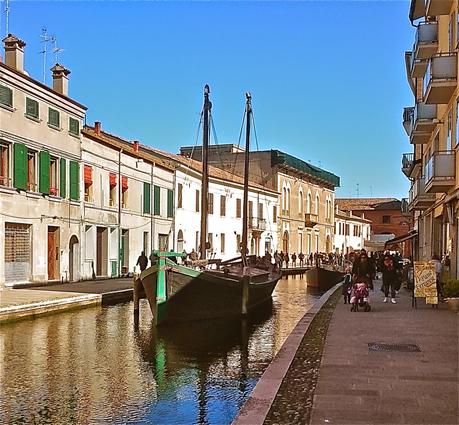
<point x="360" y="295"/>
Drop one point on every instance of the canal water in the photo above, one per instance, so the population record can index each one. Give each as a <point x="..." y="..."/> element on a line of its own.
<point x="93" y="366"/>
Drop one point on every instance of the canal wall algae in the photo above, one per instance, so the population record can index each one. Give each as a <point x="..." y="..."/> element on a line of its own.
<point x="291" y="377"/>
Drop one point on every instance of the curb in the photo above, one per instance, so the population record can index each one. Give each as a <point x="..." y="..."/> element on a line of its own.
<point x="256" y="408"/>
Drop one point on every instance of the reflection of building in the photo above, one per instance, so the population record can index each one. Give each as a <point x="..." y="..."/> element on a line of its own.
<point x="224" y="211"/>
<point x="432" y="126"/>
<point x="39" y="173"/>
<point x="128" y="203"/>
<point x="305" y="213"/>
<point x="351" y="231"/>
<point x="387" y="216"/>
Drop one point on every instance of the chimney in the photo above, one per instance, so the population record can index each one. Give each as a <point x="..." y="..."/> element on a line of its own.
<point x="14" y="52"/>
<point x="97" y="125"/>
<point x="136" y="146"/>
<point x="60" y="79"/>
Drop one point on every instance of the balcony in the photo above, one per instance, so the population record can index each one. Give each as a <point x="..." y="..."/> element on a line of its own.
<point x="438" y="7"/>
<point x="409" y="164"/>
<point x="426" y="42"/>
<point x="258" y="224"/>
<point x="417" y="9"/>
<point x="408" y="119"/>
<point x="310" y="219"/>
<point x="418" y="67"/>
<point x="418" y="198"/>
<point x="440" y="172"/>
<point x="424" y="120"/>
<point x="441" y="78"/>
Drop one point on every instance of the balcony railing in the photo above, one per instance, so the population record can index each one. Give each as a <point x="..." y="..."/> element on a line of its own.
<point x="418" y="198"/>
<point x="438" y="7"/>
<point x="407" y="163"/>
<point x="418" y="66"/>
<point x="441" y="78"/>
<point x="426" y="41"/>
<point x="424" y="120"/>
<point x="440" y="172"/>
<point x="256" y="223"/>
<point x="408" y="119"/>
<point x="310" y="219"/>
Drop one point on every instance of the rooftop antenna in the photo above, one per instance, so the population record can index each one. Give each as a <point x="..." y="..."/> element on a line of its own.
<point x="357" y="190"/>
<point x="56" y="50"/>
<point x="7" y="17"/>
<point x="45" y="39"/>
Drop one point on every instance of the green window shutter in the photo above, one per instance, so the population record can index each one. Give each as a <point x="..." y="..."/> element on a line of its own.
<point x="170" y="203"/>
<point x="63" y="178"/>
<point x="53" y="117"/>
<point x="74" y="181"/>
<point x="20" y="166"/>
<point x="74" y="126"/>
<point x="43" y="183"/>
<point x="157" y="200"/>
<point x="6" y="96"/>
<point x="146" y="198"/>
<point x="31" y="108"/>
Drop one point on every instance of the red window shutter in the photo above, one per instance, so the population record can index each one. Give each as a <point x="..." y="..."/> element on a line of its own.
<point x="124" y="183"/>
<point x="112" y="179"/>
<point x="87" y="174"/>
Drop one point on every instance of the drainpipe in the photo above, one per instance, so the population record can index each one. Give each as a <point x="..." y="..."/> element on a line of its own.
<point x="119" y="211"/>
<point x="152" y="238"/>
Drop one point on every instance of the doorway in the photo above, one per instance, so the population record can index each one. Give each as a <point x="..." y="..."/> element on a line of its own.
<point x="73" y="259"/>
<point x="53" y="253"/>
<point x="285" y="242"/>
<point x="102" y="251"/>
<point x="180" y="241"/>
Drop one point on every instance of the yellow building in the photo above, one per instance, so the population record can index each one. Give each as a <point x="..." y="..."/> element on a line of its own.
<point x="432" y="127"/>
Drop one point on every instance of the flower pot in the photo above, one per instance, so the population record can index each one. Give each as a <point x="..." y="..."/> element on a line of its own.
<point x="453" y="304"/>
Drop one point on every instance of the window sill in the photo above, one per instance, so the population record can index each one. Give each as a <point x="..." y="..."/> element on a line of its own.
<point x="76" y="136"/>
<point x="31" y="117"/>
<point x="54" y="127"/>
<point x="7" y="107"/>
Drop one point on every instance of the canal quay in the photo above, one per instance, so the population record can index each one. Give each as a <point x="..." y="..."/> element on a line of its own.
<point x="93" y="365"/>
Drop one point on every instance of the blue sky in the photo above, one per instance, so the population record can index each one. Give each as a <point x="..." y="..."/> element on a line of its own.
<point x="327" y="78"/>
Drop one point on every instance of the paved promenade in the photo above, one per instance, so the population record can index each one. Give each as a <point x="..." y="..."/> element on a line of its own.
<point x="20" y="303"/>
<point x="359" y="386"/>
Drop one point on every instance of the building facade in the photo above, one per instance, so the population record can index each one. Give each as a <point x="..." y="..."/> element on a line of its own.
<point x="351" y="232"/>
<point x="40" y="139"/>
<point x="432" y="128"/>
<point x="305" y="212"/>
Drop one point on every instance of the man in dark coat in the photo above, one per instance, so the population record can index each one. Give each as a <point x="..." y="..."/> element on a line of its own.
<point x="142" y="261"/>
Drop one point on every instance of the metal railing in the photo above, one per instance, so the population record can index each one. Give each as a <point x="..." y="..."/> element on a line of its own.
<point x="441" y="66"/>
<point x="441" y="165"/>
<point x="257" y="223"/>
<point x="427" y="32"/>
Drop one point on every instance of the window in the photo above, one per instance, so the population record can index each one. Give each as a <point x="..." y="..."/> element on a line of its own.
<point x="4" y="165"/>
<point x="197" y="199"/>
<point x="448" y="134"/>
<point x="74" y="181"/>
<point x="170" y="203"/>
<point x="238" y="208"/>
<point x="197" y="241"/>
<point x="457" y="121"/>
<point x="179" y="195"/>
<point x="238" y="243"/>
<point x="44" y="162"/>
<point x="124" y="191"/>
<point x="54" y="118"/>
<point x="62" y="178"/>
<point x="31" y="108"/>
<point x="6" y="96"/>
<point x="222" y="205"/>
<point x="222" y="243"/>
<point x="31" y="171"/>
<point x="112" y="193"/>
<point x="300" y="202"/>
<point x="53" y="189"/>
<point x="156" y="200"/>
<point x="146" y="198"/>
<point x="288" y="200"/>
<point x="210" y="203"/>
<point x="250" y="209"/>
<point x="146" y="242"/>
<point x="74" y="126"/>
<point x="274" y="214"/>
<point x="308" y="204"/>
<point x="260" y="211"/>
<point x="347" y="230"/>
<point x="386" y="219"/>
<point x="317" y="204"/>
<point x="210" y="240"/>
<point x="88" y="183"/>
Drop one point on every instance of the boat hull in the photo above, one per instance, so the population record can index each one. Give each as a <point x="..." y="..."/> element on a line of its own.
<point x="199" y="295"/>
<point x="322" y="279"/>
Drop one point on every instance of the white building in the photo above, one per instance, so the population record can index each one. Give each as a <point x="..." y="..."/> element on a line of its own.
<point x="351" y="232"/>
<point x="225" y="212"/>
<point x="128" y="203"/>
<point x="39" y="174"/>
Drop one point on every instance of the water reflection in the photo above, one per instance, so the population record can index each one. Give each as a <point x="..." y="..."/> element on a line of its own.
<point x="92" y="366"/>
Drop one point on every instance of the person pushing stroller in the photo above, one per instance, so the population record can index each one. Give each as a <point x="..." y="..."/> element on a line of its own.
<point x="360" y="294"/>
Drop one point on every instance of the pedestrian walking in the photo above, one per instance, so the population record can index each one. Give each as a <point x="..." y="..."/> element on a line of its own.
<point x="389" y="277"/>
<point x="347" y="286"/>
<point x="363" y="267"/>
<point x="287" y="259"/>
<point x="142" y="261"/>
<point x="301" y="258"/>
<point x="311" y="259"/>
<point x="294" y="259"/>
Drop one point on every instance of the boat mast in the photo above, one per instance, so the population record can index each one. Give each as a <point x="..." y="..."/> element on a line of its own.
<point x="248" y="112"/>
<point x="205" y="171"/>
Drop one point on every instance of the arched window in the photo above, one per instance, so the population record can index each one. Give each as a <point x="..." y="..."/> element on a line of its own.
<point x="284" y="198"/>
<point x="300" y="201"/>
<point x="317" y="204"/>
<point x="288" y="200"/>
<point x="308" y="203"/>
<point x="180" y="241"/>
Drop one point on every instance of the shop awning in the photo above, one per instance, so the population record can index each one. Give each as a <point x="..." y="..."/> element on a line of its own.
<point x="403" y="238"/>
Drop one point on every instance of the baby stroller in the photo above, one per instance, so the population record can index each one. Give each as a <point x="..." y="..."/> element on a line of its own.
<point x="360" y="295"/>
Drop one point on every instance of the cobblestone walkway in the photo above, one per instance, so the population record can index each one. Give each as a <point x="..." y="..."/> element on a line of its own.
<point x="359" y="386"/>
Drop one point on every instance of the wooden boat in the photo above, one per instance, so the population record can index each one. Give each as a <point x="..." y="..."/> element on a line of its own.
<point x="233" y="288"/>
<point x="322" y="278"/>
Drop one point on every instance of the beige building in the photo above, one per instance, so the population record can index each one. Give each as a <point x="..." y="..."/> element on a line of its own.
<point x="40" y="142"/>
<point x="305" y="212"/>
<point x="432" y="127"/>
